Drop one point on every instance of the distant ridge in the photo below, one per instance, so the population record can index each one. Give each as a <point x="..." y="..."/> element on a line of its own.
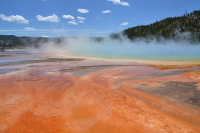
<point x="169" y="27"/>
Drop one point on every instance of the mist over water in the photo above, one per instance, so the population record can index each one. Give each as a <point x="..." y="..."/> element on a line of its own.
<point x="123" y="48"/>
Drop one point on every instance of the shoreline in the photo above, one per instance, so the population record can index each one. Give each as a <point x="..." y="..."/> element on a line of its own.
<point x="141" y="61"/>
<point x="133" y="60"/>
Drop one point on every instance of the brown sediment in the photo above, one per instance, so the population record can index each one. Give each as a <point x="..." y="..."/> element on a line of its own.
<point x="99" y="99"/>
<point x="83" y="70"/>
<point x="193" y="74"/>
<point x="180" y="66"/>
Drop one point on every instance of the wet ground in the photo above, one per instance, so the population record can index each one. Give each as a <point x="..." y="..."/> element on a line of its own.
<point x="52" y="93"/>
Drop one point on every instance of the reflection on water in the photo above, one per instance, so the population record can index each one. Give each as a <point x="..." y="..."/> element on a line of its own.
<point x="12" y="56"/>
<point x="8" y="70"/>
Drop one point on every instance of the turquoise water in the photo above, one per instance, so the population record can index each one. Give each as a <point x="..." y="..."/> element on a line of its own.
<point x="160" y="52"/>
<point x="117" y="51"/>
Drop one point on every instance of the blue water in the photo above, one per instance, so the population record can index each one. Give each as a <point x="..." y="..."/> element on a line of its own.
<point x="111" y="50"/>
<point x="160" y="52"/>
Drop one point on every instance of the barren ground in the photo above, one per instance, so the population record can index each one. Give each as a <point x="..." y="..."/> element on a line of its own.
<point x="83" y="96"/>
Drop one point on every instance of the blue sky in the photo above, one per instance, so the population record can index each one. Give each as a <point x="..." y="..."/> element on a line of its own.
<point x="85" y="17"/>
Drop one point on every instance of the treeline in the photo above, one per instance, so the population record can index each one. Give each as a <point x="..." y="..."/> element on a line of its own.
<point x="22" y="42"/>
<point x="168" y="28"/>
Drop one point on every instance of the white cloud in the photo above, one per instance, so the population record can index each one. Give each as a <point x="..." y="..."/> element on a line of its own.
<point x="125" y="4"/>
<point x="53" y="18"/>
<point x="125" y="23"/>
<point x="72" y="22"/>
<point x="106" y="11"/>
<point x="119" y="2"/>
<point x="81" y="21"/>
<point x="82" y="18"/>
<point x="29" y="28"/>
<point x="83" y="10"/>
<point x="68" y="16"/>
<point x="44" y="36"/>
<point x="14" y="18"/>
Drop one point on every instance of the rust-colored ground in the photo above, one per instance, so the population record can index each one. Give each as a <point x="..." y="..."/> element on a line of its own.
<point x="115" y="99"/>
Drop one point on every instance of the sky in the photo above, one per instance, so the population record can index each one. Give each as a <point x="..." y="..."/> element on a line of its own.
<point x="55" y="18"/>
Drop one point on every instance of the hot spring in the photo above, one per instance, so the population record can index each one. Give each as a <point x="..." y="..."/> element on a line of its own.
<point x="167" y="50"/>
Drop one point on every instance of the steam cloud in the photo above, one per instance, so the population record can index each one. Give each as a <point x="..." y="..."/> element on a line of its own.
<point x="123" y="48"/>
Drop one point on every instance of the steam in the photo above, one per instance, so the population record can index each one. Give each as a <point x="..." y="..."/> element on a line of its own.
<point x="151" y="48"/>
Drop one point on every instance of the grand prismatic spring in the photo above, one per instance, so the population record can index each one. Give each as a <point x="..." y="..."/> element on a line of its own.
<point x="117" y="88"/>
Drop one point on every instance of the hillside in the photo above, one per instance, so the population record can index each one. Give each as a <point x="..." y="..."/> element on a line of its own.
<point x="13" y="41"/>
<point x="168" y="27"/>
